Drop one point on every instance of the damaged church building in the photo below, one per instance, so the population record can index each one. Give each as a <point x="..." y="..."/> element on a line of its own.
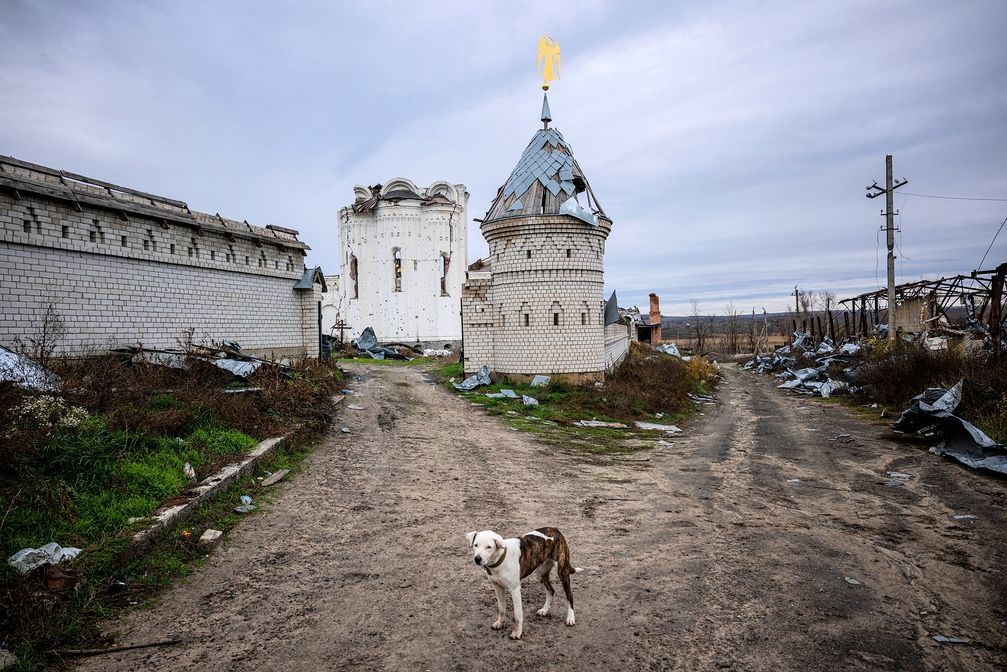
<point x="123" y="267"/>
<point x="402" y="260"/>
<point x="535" y="304"/>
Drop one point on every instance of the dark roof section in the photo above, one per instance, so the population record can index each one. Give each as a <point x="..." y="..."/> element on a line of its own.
<point x="611" y="310"/>
<point x="21" y="176"/>
<point x="310" y="277"/>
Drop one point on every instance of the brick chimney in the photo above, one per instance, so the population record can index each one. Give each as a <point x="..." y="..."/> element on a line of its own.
<point x="655" y="318"/>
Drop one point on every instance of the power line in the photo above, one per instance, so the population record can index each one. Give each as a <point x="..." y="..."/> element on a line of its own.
<point x="955" y="198"/>
<point x="993" y="241"/>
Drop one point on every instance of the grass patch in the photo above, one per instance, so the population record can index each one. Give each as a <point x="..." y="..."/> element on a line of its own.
<point x="893" y="373"/>
<point x="649" y="386"/>
<point x="416" y="361"/>
<point x="75" y="467"/>
<point x="39" y="621"/>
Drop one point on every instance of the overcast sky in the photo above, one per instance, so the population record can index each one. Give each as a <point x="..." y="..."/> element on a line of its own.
<point x="730" y="142"/>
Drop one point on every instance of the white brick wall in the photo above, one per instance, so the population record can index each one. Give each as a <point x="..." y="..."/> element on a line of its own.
<point x="542" y="311"/>
<point x="111" y="294"/>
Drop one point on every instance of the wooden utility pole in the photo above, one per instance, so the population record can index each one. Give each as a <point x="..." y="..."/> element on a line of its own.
<point x="874" y="191"/>
<point x="797" y="301"/>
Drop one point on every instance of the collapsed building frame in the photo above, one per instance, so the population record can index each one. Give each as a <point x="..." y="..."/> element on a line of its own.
<point x="980" y="293"/>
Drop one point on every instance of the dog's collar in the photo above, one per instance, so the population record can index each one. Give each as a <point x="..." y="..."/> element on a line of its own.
<point x="497" y="563"/>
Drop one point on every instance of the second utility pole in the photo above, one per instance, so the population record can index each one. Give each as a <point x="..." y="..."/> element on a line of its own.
<point x="889" y="192"/>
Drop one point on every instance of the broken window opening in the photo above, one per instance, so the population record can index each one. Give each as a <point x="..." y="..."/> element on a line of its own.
<point x="445" y="264"/>
<point x="527" y="254"/>
<point x="568" y="253"/>
<point x="526" y="319"/>
<point x="397" y="263"/>
<point x="555" y="319"/>
<point x="353" y="276"/>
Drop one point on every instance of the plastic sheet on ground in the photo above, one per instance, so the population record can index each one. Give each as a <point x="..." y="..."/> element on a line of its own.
<point x="25" y="373"/>
<point x="436" y="353"/>
<point x="52" y="553"/>
<point x="668" y="429"/>
<point x="367" y="343"/>
<point x="599" y="423"/>
<point x="669" y="349"/>
<point x="963" y="441"/>
<point x="539" y="381"/>
<point x="510" y="394"/>
<point x="529" y="401"/>
<point x="477" y="379"/>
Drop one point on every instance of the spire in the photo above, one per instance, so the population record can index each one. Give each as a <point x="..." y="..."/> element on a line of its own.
<point x="546" y="115"/>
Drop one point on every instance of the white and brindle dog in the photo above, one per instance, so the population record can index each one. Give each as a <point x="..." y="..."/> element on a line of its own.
<point x="508" y="561"/>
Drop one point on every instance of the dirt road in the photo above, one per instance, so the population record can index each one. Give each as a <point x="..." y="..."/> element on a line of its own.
<point x="698" y="556"/>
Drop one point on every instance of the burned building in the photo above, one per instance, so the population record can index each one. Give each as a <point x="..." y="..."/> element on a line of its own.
<point x="402" y="259"/>
<point x="123" y="267"/>
<point x="535" y="304"/>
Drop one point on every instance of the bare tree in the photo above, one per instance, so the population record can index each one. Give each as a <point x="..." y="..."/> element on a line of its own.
<point x="733" y="327"/>
<point x="697" y="314"/>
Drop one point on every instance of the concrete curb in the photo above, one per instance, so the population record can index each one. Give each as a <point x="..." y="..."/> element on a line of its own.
<point x="168" y="516"/>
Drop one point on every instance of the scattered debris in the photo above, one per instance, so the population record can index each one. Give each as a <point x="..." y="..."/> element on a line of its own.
<point x="510" y="394"/>
<point x="436" y="353"/>
<point x="23" y="372"/>
<point x="965" y="516"/>
<point x="247" y="505"/>
<point x="345" y="392"/>
<point x="934" y="409"/>
<point x="190" y="473"/>
<point x="495" y="395"/>
<point x="52" y="553"/>
<point x="669" y="349"/>
<point x="58" y="581"/>
<point x="653" y="426"/>
<point x="852" y="581"/>
<point x="275" y="477"/>
<point x="344" y="430"/>
<point x="943" y="639"/>
<point x="210" y="537"/>
<point x="116" y="586"/>
<point x="793" y="480"/>
<point x="599" y="423"/>
<point x="898" y="475"/>
<point x="477" y="379"/>
<point x="354" y="407"/>
<point x="367" y="343"/>
<point x="540" y="381"/>
<point x="706" y="399"/>
<point x="891" y="484"/>
<point x="529" y="401"/>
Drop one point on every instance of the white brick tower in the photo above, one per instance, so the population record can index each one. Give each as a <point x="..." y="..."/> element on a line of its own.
<point x="539" y="308"/>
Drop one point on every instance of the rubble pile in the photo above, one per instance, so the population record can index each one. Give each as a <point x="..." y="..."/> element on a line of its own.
<point x="821" y="362"/>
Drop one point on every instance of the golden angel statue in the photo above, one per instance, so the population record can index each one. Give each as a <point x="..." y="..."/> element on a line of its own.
<point x="548" y="60"/>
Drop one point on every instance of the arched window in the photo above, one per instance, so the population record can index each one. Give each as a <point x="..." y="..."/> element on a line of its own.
<point x="525" y="314"/>
<point x="397" y="263"/>
<point x="445" y="264"/>
<point x="557" y="314"/>
<point x="354" y="286"/>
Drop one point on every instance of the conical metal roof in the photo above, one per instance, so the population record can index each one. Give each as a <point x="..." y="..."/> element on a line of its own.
<point x="546" y="180"/>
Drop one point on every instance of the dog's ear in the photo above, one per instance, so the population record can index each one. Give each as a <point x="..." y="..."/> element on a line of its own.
<point x="498" y="540"/>
<point x="471" y="537"/>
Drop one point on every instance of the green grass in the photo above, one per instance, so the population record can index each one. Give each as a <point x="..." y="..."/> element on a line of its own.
<point x="83" y="485"/>
<point x="75" y="619"/>
<point x="416" y="361"/>
<point x="562" y="404"/>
